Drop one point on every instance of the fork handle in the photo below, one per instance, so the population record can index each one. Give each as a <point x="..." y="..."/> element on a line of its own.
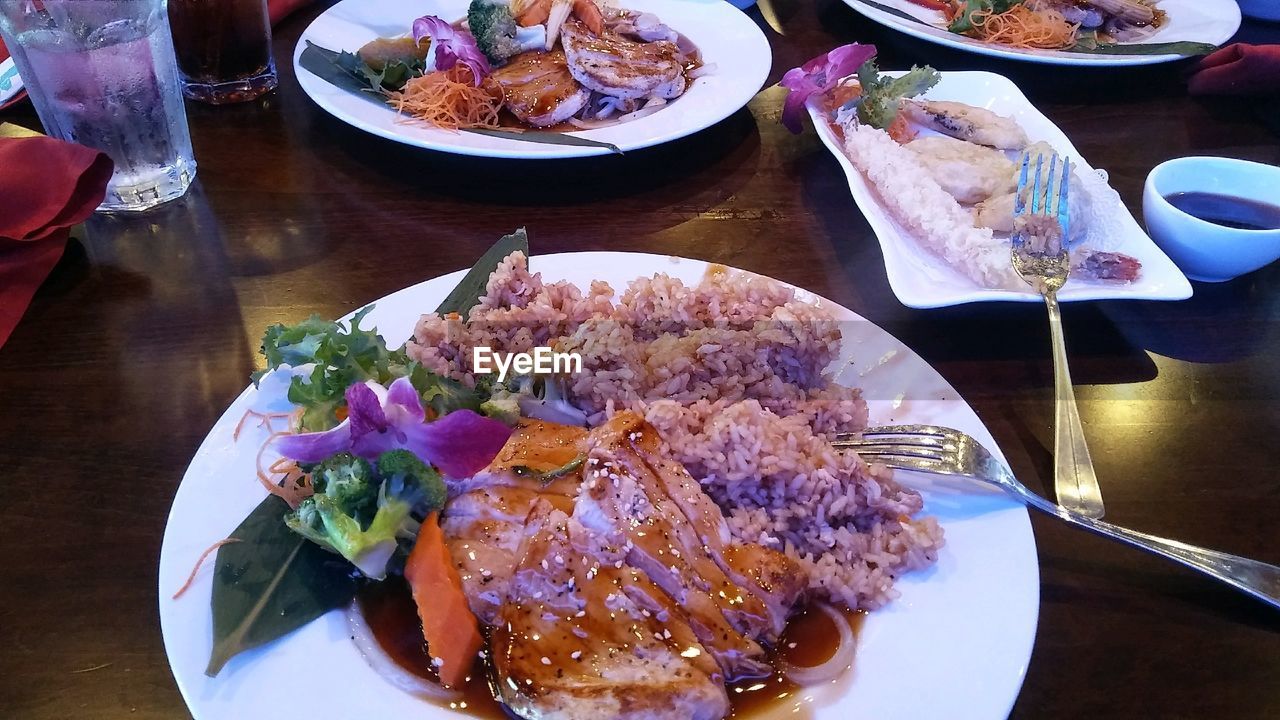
<point x="1075" y="484"/>
<point x="1259" y="579"/>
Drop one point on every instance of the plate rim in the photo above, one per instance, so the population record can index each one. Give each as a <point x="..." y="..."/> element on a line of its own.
<point x="892" y="22"/>
<point x="516" y="150"/>
<point x="1020" y="513"/>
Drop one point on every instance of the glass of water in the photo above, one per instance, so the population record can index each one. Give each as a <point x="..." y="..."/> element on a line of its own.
<point x="101" y="73"/>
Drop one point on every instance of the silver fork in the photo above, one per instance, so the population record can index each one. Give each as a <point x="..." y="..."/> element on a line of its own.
<point x="1045" y="267"/>
<point x="944" y="451"/>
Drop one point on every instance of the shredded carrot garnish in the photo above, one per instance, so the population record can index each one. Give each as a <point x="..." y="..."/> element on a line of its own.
<point x="1025" y="28"/>
<point x="192" y="577"/>
<point x="449" y="99"/>
<point x="294" y="486"/>
<point x="264" y="420"/>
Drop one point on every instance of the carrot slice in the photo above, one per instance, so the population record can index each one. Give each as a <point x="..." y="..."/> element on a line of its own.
<point x="589" y="13"/>
<point x="536" y="13"/>
<point x="448" y="625"/>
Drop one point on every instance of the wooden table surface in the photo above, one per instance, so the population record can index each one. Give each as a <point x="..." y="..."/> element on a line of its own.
<point x="148" y="329"/>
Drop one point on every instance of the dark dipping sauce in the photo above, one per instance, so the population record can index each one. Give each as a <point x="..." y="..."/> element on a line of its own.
<point x="393" y="618"/>
<point x="1227" y="211"/>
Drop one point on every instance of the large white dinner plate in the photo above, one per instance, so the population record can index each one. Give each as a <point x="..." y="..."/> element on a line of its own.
<point x="726" y="37"/>
<point x="1206" y="21"/>
<point x="921" y="279"/>
<point x="955" y="646"/>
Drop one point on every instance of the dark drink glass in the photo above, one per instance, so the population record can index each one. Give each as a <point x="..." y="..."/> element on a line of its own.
<point x="223" y="49"/>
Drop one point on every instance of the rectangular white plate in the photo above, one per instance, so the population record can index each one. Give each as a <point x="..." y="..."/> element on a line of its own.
<point x="920" y="279"/>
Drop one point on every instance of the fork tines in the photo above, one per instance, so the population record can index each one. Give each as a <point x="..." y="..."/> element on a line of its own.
<point x="924" y="442"/>
<point x="1043" y="199"/>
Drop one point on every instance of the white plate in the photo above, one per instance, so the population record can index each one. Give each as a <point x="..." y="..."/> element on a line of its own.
<point x="1206" y="21"/>
<point x="955" y="646"/>
<point x="724" y="35"/>
<point x="921" y="279"/>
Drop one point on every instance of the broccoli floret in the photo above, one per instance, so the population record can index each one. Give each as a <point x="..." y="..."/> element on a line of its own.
<point x="346" y="479"/>
<point x="548" y="399"/>
<point x="362" y="515"/>
<point x="407" y="474"/>
<point x="503" y="406"/>
<point x="497" y="34"/>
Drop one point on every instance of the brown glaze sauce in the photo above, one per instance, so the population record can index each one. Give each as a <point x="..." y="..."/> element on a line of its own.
<point x="389" y="610"/>
<point x="508" y="121"/>
<point x="393" y="618"/>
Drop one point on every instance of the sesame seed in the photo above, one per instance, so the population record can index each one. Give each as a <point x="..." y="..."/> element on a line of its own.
<point x="546" y="660"/>
<point x="666" y="634"/>
<point x="545" y="565"/>
<point x="575" y="654"/>
<point x="581" y="613"/>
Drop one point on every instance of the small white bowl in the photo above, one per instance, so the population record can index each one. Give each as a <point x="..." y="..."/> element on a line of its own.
<point x="1260" y="9"/>
<point x="1203" y="250"/>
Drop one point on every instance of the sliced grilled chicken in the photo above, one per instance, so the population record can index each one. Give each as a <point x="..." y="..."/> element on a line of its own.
<point x="615" y="66"/>
<point x="613" y="590"/>
<point x="774" y="578"/>
<point x="571" y="646"/>
<point x="625" y="502"/>
<point x="538" y="88"/>
<point x="484" y="524"/>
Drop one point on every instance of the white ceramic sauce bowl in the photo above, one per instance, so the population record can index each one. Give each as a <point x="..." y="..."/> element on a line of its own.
<point x="1203" y="250"/>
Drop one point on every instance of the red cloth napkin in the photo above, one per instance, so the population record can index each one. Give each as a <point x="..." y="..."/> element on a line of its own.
<point x="1239" y="69"/>
<point x="46" y="186"/>
<point x="277" y="10"/>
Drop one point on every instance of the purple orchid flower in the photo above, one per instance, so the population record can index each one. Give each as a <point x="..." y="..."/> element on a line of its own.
<point x="818" y="76"/>
<point x="452" y="46"/>
<point x="379" y="419"/>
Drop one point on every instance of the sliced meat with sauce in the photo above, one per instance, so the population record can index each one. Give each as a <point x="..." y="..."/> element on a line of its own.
<point x="613" y="65"/>
<point x="570" y="646"/>
<point x="774" y="578"/>
<point x="627" y="499"/>
<point x="538" y="88"/>
<point x="614" y="588"/>
<point x="484" y="522"/>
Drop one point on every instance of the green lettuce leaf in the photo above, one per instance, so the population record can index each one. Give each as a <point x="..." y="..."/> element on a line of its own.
<point x="881" y="95"/>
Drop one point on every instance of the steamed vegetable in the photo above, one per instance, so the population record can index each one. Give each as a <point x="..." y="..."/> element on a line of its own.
<point x="498" y="35"/>
<point x="533" y="396"/>
<point x="363" y="515"/>
<point x="503" y="406"/>
<point x="448" y="625"/>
